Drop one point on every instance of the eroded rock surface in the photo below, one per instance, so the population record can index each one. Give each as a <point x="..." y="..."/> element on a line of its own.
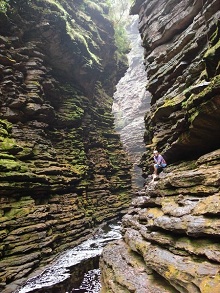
<point x="181" y="41"/>
<point x="171" y="233"/>
<point x="62" y="166"/>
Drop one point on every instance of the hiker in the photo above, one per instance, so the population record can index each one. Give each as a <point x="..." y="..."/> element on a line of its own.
<point x="160" y="163"/>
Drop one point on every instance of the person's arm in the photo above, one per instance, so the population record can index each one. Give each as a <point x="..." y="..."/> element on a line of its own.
<point x="159" y="160"/>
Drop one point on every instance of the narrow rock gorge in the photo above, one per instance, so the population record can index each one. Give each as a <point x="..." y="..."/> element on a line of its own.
<point x="171" y="233"/>
<point x="131" y="101"/>
<point x="63" y="170"/>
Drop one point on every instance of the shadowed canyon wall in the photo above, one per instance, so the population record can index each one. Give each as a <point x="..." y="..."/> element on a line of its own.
<point x="171" y="232"/>
<point x="62" y="166"/>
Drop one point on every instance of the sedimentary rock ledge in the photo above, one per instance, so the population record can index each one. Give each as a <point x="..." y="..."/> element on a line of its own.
<point x="170" y="234"/>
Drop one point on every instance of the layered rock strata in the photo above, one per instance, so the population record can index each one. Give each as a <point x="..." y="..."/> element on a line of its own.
<point x="171" y="233"/>
<point x="62" y="166"/>
<point x="181" y="41"/>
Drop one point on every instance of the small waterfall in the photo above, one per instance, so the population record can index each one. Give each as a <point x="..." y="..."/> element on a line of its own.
<point x="131" y="101"/>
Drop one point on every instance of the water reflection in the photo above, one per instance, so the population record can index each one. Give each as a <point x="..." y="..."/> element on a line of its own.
<point x="75" y="270"/>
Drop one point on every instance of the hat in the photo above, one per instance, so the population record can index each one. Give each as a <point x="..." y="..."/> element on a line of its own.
<point x="155" y="152"/>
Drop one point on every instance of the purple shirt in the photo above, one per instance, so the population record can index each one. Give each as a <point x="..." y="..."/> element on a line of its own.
<point x="159" y="160"/>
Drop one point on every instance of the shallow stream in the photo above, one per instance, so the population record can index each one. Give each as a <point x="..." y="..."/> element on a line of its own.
<point x="77" y="269"/>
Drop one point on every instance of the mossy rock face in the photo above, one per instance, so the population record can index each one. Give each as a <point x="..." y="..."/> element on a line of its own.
<point x="169" y="106"/>
<point x="9" y="145"/>
<point x="62" y="166"/>
<point x="9" y="165"/>
<point x="212" y="55"/>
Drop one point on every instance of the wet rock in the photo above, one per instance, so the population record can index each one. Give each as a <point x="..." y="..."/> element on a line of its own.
<point x="132" y="273"/>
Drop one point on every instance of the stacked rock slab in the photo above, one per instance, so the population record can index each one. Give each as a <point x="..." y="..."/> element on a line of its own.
<point x="62" y="166"/>
<point x="171" y="233"/>
<point x="181" y="41"/>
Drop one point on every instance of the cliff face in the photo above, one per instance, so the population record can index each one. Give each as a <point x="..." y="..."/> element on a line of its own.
<point x="171" y="233"/>
<point x="181" y="41"/>
<point x="62" y="167"/>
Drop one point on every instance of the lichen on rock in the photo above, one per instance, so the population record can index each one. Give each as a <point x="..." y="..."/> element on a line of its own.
<point x="60" y="155"/>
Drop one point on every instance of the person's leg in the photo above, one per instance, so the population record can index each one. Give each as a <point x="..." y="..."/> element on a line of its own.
<point x="160" y="168"/>
<point x="156" y="169"/>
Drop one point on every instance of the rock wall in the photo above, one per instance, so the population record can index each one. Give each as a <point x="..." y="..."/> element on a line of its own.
<point x="181" y="41"/>
<point x="62" y="166"/>
<point x="171" y="233"/>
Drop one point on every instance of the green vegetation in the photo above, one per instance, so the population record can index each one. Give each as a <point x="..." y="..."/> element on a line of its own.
<point x="121" y="38"/>
<point x="119" y="11"/>
<point x="5" y="125"/>
<point x="80" y="38"/>
<point x="3" y="5"/>
<point x="11" y="165"/>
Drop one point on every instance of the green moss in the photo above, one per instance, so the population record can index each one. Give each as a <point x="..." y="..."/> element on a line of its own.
<point x="80" y="37"/>
<point x="172" y="273"/>
<point x="195" y="100"/>
<point x="3" y="6"/>
<point x="6" y="156"/>
<point x="174" y="101"/>
<point x="203" y="75"/>
<point x="215" y="36"/>
<point x="8" y="144"/>
<point x="58" y="7"/>
<point x="210" y="284"/>
<point x="170" y="105"/>
<point x="78" y="169"/>
<point x="3" y="133"/>
<point x="26" y="152"/>
<point x="211" y="52"/>
<point x="11" y="165"/>
<point x="6" y="125"/>
<point x="94" y="6"/>
<point x="18" y="213"/>
<point x="212" y="55"/>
